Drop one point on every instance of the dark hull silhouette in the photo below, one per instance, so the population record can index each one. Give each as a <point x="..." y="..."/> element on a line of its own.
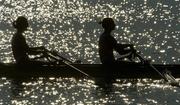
<point x="126" y="71"/>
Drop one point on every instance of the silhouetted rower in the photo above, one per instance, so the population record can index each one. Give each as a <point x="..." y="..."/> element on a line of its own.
<point x="20" y="48"/>
<point x="107" y="44"/>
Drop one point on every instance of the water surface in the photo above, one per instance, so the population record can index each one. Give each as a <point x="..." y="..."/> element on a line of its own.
<point x="71" y="27"/>
<point x="69" y="91"/>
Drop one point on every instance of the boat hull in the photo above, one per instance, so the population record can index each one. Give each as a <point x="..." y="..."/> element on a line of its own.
<point x="130" y="71"/>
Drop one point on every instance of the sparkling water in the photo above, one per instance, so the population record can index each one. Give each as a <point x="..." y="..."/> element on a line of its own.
<point x="71" y="28"/>
<point x="69" y="91"/>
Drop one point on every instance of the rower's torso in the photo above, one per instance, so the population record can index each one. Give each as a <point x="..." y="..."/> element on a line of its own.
<point x="19" y="47"/>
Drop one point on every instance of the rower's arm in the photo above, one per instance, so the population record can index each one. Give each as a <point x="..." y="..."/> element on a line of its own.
<point x="36" y="50"/>
<point x="124" y="48"/>
<point x="126" y="45"/>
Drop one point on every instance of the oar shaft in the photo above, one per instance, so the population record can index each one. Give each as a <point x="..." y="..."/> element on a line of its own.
<point x="53" y="56"/>
<point x="56" y="54"/>
<point x="158" y="72"/>
<point x="155" y="69"/>
<point x="77" y="69"/>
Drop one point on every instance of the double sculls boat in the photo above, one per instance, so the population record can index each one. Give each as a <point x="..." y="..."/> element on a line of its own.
<point x="122" y="70"/>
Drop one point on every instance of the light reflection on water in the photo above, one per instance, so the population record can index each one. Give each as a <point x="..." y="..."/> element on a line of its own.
<point x="71" y="26"/>
<point x="58" y="91"/>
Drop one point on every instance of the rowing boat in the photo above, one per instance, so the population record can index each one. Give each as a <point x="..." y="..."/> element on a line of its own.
<point x="131" y="71"/>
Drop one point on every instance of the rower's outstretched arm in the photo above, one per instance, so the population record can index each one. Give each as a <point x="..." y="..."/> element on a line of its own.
<point x="36" y="50"/>
<point x="124" y="48"/>
<point x="39" y="52"/>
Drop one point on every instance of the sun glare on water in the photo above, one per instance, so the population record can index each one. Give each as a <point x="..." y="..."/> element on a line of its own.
<point x="71" y="27"/>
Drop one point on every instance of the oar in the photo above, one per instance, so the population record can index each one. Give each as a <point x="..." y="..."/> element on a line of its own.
<point x="167" y="76"/>
<point x="53" y="55"/>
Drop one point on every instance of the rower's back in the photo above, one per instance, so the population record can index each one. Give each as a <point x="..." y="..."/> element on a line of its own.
<point x="19" y="45"/>
<point x="106" y="42"/>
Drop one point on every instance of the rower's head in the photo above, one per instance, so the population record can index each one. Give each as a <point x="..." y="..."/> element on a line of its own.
<point x="108" y="24"/>
<point x="21" y="23"/>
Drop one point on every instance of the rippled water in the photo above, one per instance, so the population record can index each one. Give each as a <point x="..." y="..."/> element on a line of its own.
<point x="71" y="26"/>
<point x="69" y="91"/>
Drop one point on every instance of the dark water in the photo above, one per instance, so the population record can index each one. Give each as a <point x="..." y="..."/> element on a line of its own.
<point x="69" y="91"/>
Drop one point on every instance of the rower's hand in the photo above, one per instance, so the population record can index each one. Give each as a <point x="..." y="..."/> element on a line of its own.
<point x="42" y="48"/>
<point x="54" y="52"/>
<point x="132" y="48"/>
